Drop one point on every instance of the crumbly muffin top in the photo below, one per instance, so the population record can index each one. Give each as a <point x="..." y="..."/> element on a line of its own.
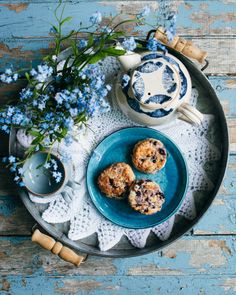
<point x="146" y="197"/>
<point x="115" y="180"/>
<point x="149" y="155"/>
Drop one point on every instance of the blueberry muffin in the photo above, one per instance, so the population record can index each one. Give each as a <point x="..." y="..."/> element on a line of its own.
<point x="149" y="155"/>
<point x="146" y="197"/>
<point x="115" y="180"/>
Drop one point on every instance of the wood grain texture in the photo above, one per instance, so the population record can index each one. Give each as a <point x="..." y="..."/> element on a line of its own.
<point x="210" y="24"/>
<point x="201" y="263"/>
<point x="199" y="18"/>
<point x="119" y="285"/>
<point x="190" y="255"/>
<point x="27" y="53"/>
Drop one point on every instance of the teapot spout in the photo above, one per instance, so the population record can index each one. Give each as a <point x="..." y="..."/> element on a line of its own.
<point x="130" y="60"/>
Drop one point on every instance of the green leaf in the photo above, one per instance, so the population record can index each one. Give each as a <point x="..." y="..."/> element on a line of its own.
<point x="98" y="56"/>
<point x="90" y="40"/>
<point x="74" y="47"/>
<point x="34" y="133"/>
<point x="114" y="52"/>
<point x="116" y="35"/>
<point x="68" y="36"/>
<point x="64" y="132"/>
<point x="67" y="19"/>
<point x="27" y="77"/>
<point x="56" y="28"/>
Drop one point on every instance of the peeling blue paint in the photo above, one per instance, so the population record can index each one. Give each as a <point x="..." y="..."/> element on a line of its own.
<point x="7" y="205"/>
<point x="90" y="285"/>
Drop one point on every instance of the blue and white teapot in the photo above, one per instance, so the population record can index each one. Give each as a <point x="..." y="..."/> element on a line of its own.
<point x="157" y="89"/>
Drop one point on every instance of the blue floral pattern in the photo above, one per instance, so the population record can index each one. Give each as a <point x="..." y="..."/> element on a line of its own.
<point x="168" y="80"/>
<point x="149" y="67"/>
<point x="183" y="78"/>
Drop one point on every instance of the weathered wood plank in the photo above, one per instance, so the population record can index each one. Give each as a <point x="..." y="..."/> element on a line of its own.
<point x="190" y="255"/>
<point x="119" y="285"/>
<point x="29" y="52"/>
<point x="232" y="134"/>
<point x="225" y="87"/>
<point x="195" y="17"/>
<point x="14" y="217"/>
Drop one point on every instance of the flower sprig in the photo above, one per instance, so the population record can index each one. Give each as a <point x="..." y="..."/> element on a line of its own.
<point x="69" y="87"/>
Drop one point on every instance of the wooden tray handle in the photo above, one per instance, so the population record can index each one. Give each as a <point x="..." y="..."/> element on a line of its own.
<point x="57" y="248"/>
<point x="186" y="47"/>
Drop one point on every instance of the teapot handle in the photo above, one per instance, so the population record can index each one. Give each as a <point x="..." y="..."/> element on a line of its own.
<point x="190" y="114"/>
<point x="181" y="45"/>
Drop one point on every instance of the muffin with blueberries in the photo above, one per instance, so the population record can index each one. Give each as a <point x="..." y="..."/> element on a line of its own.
<point x="115" y="180"/>
<point x="149" y="155"/>
<point x="146" y="197"/>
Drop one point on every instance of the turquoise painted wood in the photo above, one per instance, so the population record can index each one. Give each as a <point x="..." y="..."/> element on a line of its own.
<point x="120" y="285"/>
<point x="18" y="21"/>
<point x="202" y="262"/>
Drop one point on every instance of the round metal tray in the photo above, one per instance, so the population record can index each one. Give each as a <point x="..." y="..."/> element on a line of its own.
<point x="207" y="103"/>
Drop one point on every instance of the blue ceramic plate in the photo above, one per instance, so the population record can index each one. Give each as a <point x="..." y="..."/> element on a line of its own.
<point x="173" y="178"/>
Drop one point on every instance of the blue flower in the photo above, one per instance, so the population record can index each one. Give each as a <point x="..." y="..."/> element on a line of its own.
<point x="8" y="76"/>
<point x="107" y="30"/>
<point x="54" y="164"/>
<point x="54" y="57"/>
<point x="167" y="18"/>
<point x="15" y="77"/>
<point x="25" y="94"/>
<point x="129" y="44"/>
<point x="95" y="18"/>
<point x="73" y="112"/>
<point x="17" y="178"/>
<point x="44" y="126"/>
<point x="12" y="159"/>
<point x="41" y="106"/>
<point x="20" y="171"/>
<point x="125" y="80"/>
<point x="13" y="169"/>
<point x="59" y="98"/>
<point x="5" y="128"/>
<point x="53" y="30"/>
<point x="57" y="176"/>
<point x="10" y="111"/>
<point x="154" y="45"/>
<point x="68" y="140"/>
<point x="43" y="73"/>
<point x="8" y="72"/>
<point x="4" y="159"/>
<point x="47" y="141"/>
<point x="82" y="44"/>
<point x="47" y="165"/>
<point x="145" y="12"/>
<point x="69" y="123"/>
<point x="6" y="79"/>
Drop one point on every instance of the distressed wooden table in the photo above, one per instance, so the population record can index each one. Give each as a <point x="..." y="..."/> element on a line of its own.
<point x="203" y="261"/>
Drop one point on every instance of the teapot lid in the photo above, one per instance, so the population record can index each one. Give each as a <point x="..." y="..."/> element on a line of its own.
<point x="155" y="84"/>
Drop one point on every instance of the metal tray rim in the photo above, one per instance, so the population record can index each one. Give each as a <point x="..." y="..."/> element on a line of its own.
<point x="138" y="252"/>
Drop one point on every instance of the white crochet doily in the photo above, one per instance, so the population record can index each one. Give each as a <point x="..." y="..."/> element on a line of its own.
<point x="74" y="204"/>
